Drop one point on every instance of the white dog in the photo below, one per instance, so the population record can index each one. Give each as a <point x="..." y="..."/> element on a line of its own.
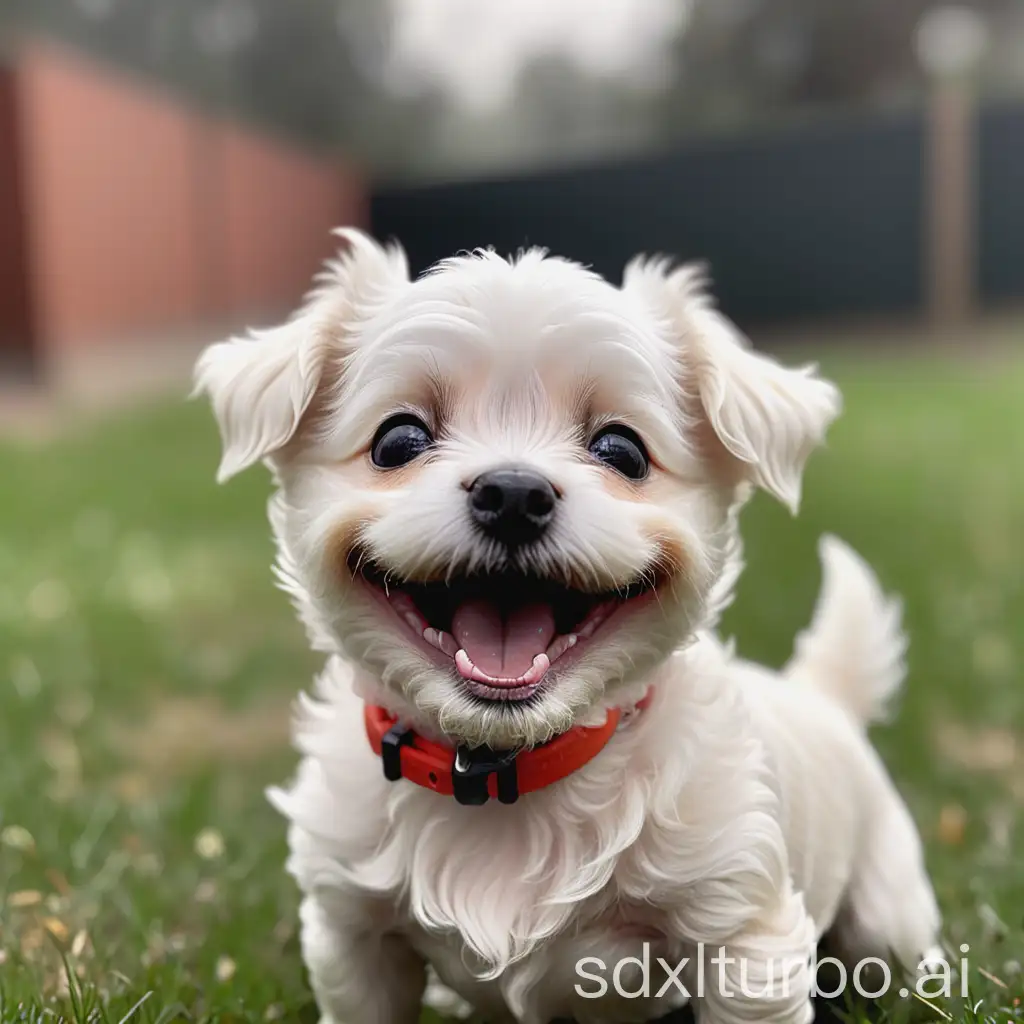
<point x="506" y="511"/>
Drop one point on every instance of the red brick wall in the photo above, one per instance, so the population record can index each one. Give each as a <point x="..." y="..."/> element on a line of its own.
<point x="275" y="203"/>
<point x="142" y="215"/>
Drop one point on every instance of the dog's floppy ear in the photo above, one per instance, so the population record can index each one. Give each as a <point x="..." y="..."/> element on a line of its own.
<point x="261" y="385"/>
<point x="766" y="417"/>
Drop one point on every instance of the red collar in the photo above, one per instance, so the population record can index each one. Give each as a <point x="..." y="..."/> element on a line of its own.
<point x="474" y="776"/>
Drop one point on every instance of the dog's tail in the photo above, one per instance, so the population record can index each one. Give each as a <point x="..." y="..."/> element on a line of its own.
<point x="854" y="648"/>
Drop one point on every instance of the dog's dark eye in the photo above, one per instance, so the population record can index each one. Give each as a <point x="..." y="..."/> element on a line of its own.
<point x="399" y="440"/>
<point x="621" y="448"/>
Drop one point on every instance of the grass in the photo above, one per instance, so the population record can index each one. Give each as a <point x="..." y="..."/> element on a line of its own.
<point x="147" y="665"/>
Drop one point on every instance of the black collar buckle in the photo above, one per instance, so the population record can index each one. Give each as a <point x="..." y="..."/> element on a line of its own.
<point x="472" y="768"/>
<point x="391" y="744"/>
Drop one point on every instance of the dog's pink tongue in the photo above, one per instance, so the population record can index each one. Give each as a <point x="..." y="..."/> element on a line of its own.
<point x="503" y="647"/>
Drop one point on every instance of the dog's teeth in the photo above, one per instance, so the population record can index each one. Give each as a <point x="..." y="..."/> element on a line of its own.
<point x="465" y="665"/>
<point x="441" y="640"/>
<point x="537" y="670"/>
<point x="597" y="616"/>
<point x="405" y="608"/>
<point x="560" y="646"/>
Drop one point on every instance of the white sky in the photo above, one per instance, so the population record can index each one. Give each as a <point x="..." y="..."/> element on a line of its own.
<point x="474" y="51"/>
<point x="95" y="9"/>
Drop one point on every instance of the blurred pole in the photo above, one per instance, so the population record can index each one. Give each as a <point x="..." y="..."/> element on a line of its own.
<point x="950" y="44"/>
<point x="950" y="249"/>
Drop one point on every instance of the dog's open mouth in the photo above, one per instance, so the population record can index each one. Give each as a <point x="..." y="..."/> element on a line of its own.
<point x="503" y="631"/>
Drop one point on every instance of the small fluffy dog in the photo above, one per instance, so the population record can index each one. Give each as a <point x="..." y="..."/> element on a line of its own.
<point x="506" y="510"/>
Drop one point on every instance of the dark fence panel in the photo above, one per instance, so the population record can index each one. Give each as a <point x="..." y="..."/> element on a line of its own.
<point x="816" y="220"/>
<point x="1001" y="202"/>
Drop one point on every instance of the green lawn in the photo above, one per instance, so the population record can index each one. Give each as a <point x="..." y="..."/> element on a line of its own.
<point x="147" y="665"/>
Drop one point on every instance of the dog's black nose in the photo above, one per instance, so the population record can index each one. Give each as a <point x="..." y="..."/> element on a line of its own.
<point x="514" y="506"/>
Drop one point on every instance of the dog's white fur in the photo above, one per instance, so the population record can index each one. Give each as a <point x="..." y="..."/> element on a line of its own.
<point x="743" y="808"/>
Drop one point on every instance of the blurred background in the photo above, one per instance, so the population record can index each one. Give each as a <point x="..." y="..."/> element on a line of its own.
<point x="170" y="170"/>
<point x="167" y="168"/>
